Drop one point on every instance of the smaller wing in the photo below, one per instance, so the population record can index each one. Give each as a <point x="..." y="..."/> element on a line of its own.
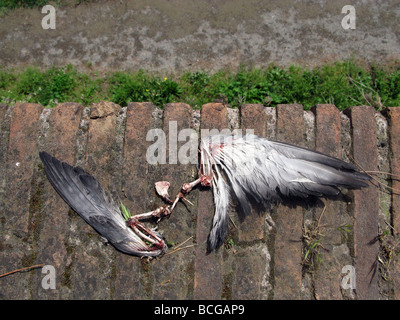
<point x="84" y="194"/>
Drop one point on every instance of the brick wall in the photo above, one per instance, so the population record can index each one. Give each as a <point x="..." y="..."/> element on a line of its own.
<point x="265" y="255"/>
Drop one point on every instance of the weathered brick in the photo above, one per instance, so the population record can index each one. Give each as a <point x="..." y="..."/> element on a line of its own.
<point x="4" y="137"/>
<point x="132" y="279"/>
<point x="213" y="116"/>
<point x="394" y="141"/>
<point x="92" y="265"/>
<point x="251" y="264"/>
<point x="328" y="129"/>
<point x="3" y="109"/>
<point x="289" y="217"/>
<point x="366" y="203"/>
<point x="4" y="130"/>
<point x="393" y="115"/>
<point x="100" y="156"/>
<point x="253" y="117"/>
<point x="22" y="152"/>
<point x="63" y="126"/>
<point x="38" y="227"/>
<point x="104" y="109"/>
<point x="208" y="274"/>
<point x="328" y="274"/>
<point x="17" y="249"/>
<point x="289" y="123"/>
<point x="55" y="223"/>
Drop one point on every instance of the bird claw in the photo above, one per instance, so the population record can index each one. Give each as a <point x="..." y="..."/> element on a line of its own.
<point x="204" y="180"/>
<point x="162" y="212"/>
<point x="148" y="235"/>
<point x="159" y="213"/>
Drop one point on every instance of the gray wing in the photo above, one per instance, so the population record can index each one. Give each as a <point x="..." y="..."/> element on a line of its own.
<point x="219" y="227"/>
<point x="258" y="170"/>
<point x="84" y="194"/>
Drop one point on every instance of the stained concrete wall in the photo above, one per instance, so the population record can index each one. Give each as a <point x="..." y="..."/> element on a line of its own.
<point x="169" y="36"/>
<point x="265" y="257"/>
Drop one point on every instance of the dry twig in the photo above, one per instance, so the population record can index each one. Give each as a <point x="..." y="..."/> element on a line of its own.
<point x="22" y="270"/>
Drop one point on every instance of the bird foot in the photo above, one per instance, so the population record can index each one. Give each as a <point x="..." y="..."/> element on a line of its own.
<point x="206" y="181"/>
<point x="163" y="186"/>
<point x="148" y="235"/>
<point x="162" y="212"/>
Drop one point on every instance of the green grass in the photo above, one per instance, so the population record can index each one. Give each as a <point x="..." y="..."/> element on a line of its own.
<point x="14" y="4"/>
<point x="7" y="5"/>
<point x="344" y="84"/>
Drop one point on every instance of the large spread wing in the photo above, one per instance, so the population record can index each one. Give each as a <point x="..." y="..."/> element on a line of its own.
<point x="258" y="170"/>
<point x="84" y="194"/>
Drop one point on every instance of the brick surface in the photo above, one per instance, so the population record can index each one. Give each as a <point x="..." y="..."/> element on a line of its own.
<point x="394" y="140"/>
<point x="289" y="217"/>
<point x="328" y="130"/>
<point x="366" y="203"/>
<point x="3" y="110"/>
<point x="393" y="115"/>
<point x="4" y="131"/>
<point x="17" y="248"/>
<point x="249" y="267"/>
<point x="53" y="213"/>
<point x="266" y="260"/>
<point x="253" y="116"/>
<point x="328" y="274"/>
<point x="4" y="137"/>
<point x="100" y="155"/>
<point x="208" y="274"/>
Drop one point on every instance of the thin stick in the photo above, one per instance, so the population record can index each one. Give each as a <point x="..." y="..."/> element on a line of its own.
<point x="383" y="172"/>
<point x="230" y="218"/>
<point x="22" y="269"/>
<point x="178" y="249"/>
<point x="323" y="210"/>
<point x="396" y="191"/>
<point x="187" y="201"/>
<point x="181" y="244"/>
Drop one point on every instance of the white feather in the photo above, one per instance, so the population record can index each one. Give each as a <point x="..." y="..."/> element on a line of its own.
<point x="258" y="170"/>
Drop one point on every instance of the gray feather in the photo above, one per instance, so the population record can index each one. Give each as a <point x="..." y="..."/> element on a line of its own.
<point x="220" y="221"/>
<point x="259" y="170"/>
<point x="84" y="194"/>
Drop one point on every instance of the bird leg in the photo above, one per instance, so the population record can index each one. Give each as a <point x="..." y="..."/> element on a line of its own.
<point x="145" y="233"/>
<point x="204" y="180"/>
<point x="186" y="188"/>
<point x="159" y="213"/>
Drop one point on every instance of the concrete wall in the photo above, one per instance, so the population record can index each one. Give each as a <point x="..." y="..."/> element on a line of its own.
<point x="265" y="260"/>
<point x="169" y="36"/>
